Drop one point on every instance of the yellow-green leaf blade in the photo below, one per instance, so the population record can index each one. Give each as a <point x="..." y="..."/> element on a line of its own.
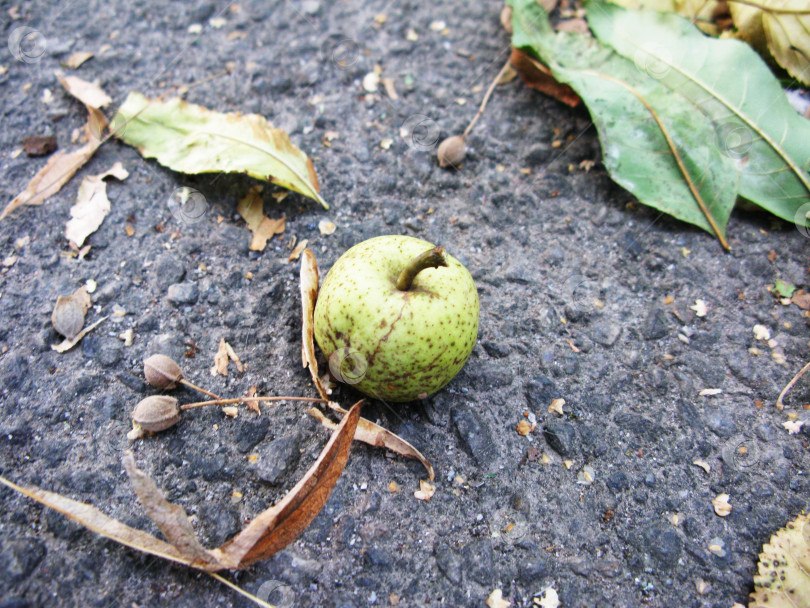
<point x="191" y="139"/>
<point x="755" y="126"/>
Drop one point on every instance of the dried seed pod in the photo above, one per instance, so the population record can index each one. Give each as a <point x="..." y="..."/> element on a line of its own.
<point x="162" y="372"/>
<point x="156" y="413"/>
<point x="68" y="313"/>
<point x="452" y="151"/>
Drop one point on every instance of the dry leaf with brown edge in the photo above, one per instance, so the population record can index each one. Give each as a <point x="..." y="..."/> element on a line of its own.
<point x="251" y="208"/>
<point x="309" y="293"/>
<point x="60" y="166"/>
<point x="268" y="533"/>
<point x="92" y="205"/>
<point x="220" y="360"/>
<point x="68" y="313"/>
<point x="89" y="93"/>
<point x="537" y="76"/>
<point x="801" y="299"/>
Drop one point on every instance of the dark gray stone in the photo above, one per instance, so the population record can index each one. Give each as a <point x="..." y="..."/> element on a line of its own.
<point x="618" y="481"/>
<point x="605" y="333"/>
<point x="183" y="293"/>
<point x="656" y="325"/>
<point x="167" y="270"/>
<point x="539" y="391"/>
<point x="449" y="563"/>
<point x="474" y="434"/>
<point x="277" y="458"/>
<point x="19" y="557"/>
<point x="561" y="437"/>
<point x="721" y="422"/>
<point x="13" y="371"/>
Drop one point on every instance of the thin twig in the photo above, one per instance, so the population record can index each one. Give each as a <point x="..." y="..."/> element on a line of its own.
<point x="191" y="406"/>
<point x="789" y="386"/>
<point x="486" y="99"/>
<point x="238" y="589"/>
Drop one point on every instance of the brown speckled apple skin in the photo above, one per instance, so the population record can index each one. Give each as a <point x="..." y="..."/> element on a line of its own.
<point x="413" y="342"/>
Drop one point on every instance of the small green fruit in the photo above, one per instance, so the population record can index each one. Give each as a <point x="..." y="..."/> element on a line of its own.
<point x="396" y="317"/>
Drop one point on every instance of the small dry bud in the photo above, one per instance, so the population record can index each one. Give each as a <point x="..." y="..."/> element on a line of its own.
<point x="162" y="372"/>
<point x="452" y="151"/>
<point x="156" y="413"/>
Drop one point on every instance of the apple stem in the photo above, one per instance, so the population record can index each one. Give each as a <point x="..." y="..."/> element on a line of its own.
<point x="433" y="258"/>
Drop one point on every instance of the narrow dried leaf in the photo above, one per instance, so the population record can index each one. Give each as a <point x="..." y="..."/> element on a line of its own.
<point x="251" y="208"/>
<point x="66" y="344"/>
<point x="309" y="293"/>
<point x="89" y="93"/>
<point x="96" y="521"/>
<point x="373" y="434"/>
<point x="281" y="524"/>
<point x="60" y="167"/>
<point x="537" y="76"/>
<point x="170" y="519"/>
<point x="234" y="357"/>
<point x="92" y="205"/>
<point x="193" y="139"/>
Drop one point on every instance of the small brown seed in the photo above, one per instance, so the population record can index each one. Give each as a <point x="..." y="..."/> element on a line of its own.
<point x="156" y="413"/>
<point x="452" y="151"/>
<point x="162" y="372"/>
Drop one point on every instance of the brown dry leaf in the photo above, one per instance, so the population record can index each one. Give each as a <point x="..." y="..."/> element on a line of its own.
<point x="60" y="167"/>
<point x="373" y="434"/>
<point x="367" y="431"/>
<point x="89" y="93"/>
<point x="281" y="524"/>
<point x="76" y="59"/>
<point x="170" y="519"/>
<point x="296" y="253"/>
<point x="538" y="76"/>
<point x="92" y="205"/>
<point x="252" y="404"/>
<point x="68" y="313"/>
<point x="309" y="293"/>
<point x="93" y="519"/>
<point x="251" y="208"/>
<point x="268" y="533"/>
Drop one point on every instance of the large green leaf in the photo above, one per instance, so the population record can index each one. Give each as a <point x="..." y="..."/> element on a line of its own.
<point x="192" y="139"/>
<point x="755" y="126"/>
<point x="655" y="144"/>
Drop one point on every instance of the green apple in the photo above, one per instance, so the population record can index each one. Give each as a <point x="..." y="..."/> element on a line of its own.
<point x="397" y="317"/>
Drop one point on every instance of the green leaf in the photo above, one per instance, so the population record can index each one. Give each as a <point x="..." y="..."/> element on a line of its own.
<point x="754" y="126"/>
<point x="192" y="139"/>
<point x="654" y="142"/>
<point x="785" y="290"/>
